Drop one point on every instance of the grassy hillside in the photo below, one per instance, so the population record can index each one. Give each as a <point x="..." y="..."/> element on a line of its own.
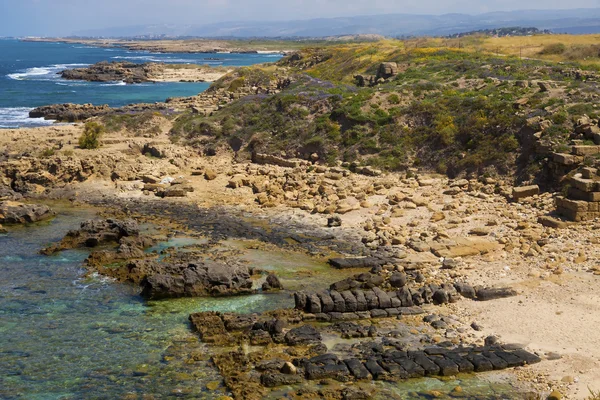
<point x="451" y="110"/>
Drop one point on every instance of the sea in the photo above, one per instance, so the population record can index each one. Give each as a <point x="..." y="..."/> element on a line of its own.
<point x="30" y="77"/>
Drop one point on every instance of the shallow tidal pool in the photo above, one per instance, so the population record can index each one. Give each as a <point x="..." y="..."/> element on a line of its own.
<point x="64" y="336"/>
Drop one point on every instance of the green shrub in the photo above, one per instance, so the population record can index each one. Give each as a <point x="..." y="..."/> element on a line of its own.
<point x="90" y="139"/>
<point x="553" y="49"/>
<point x="560" y="117"/>
<point x="394" y="98"/>
<point x="49" y="152"/>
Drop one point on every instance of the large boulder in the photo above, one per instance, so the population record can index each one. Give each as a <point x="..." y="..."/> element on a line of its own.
<point x="12" y="212"/>
<point x="199" y="278"/>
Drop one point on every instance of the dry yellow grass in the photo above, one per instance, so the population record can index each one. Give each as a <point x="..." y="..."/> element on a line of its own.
<point x="531" y="46"/>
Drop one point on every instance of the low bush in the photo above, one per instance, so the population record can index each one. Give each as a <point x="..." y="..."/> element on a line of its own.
<point x="90" y="138"/>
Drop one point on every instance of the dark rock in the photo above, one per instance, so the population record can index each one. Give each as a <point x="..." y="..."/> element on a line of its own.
<point x="405" y="297"/>
<point x="497" y="362"/>
<point x="375" y="369"/>
<point x="384" y="299"/>
<point x="345" y="284"/>
<point x="465" y="290"/>
<point x="313" y="304"/>
<point x="366" y="262"/>
<point x="412" y="369"/>
<point x="476" y="326"/>
<point x="327" y="304"/>
<point x="275" y="379"/>
<point x="441" y="297"/>
<point x="491" y="340"/>
<point x="339" y="305"/>
<point x="398" y="279"/>
<point x="350" y="301"/>
<point x="447" y="366"/>
<point x="361" y="301"/>
<point x="334" y="222"/>
<point x="486" y="294"/>
<point x="372" y="300"/>
<point x="272" y="283"/>
<point x="300" y="299"/>
<point x="430" y="368"/>
<point x="93" y="233"/>
<point x="303" y="335"/>
<point x="481" y="363"/>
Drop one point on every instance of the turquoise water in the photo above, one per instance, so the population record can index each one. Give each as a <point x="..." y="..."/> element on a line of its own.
<point x="63" y="336"/>
<point x="66" y="337"/>
<point x="28" y="77"/>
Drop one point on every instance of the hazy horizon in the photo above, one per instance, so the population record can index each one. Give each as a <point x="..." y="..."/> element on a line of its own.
<point x="66" y="17"/>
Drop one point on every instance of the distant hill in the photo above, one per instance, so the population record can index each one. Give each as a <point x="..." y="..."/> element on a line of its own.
<point x="394" y="25"/>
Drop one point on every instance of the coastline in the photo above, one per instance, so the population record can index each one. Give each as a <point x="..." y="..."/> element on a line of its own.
<point x="208" y="46"/>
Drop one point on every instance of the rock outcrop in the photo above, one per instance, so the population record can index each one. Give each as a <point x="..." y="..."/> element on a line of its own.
<point x="12" y="212"/>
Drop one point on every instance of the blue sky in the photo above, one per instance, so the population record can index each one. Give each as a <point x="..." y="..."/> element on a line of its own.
<point x="64" y="17"/>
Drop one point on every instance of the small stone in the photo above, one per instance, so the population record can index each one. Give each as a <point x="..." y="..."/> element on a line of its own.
<point x="491" y="340"/>
<point x="449" y="263"/>
<point x="289" y="369"/>
<point x="555" y="395"/>
<point x="476" y="326"/>
<point x="210" y="175"/>
<point x="212" y="386"/>
<point x="568" y="379"/>
<point x="334" y="222"/>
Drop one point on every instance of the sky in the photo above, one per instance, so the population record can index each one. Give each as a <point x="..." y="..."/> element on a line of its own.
<point x="65" y="17"/>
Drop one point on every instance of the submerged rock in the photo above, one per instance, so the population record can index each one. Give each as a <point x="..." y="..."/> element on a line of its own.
<point x="93" y="233"/>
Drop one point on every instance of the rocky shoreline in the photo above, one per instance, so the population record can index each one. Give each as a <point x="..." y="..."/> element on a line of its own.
<point x="132" y="73"/>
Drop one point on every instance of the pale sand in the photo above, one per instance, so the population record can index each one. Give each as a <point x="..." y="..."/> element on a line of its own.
<point x="193" y="73"/>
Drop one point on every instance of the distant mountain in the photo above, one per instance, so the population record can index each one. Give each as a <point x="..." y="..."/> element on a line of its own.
<point x="563" y="21"/>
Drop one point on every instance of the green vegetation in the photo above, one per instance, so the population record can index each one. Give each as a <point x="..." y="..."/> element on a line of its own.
<point x="447" y="109"/>
<point x="49" y="152"/>
<point x="139" y="124"/>
<point x="90" y="138"/>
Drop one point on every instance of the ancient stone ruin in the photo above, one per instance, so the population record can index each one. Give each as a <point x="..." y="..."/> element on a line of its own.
<point x="583" y="196"/>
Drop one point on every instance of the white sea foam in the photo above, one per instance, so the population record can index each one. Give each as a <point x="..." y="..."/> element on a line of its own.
<point x="16" y="117"/>
<point x="121" y="83"/>
<point x="49" y="72"/>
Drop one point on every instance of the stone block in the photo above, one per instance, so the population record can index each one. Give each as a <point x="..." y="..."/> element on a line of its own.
<point x="589" y="173"/>
<point x="525" y="191"/>
<point x="585" y="185"/>
<point x="576" y="194"/>
<point x="582" y="150"/>
<point x="573" y="205"/>
<point x="566" y="159"/>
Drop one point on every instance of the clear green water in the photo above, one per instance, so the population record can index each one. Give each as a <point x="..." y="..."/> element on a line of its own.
<point x="66" y="337"/>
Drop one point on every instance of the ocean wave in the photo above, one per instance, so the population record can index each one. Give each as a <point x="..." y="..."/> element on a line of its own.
<point x="45" y="73"/>
<point x="18" y="117"/>
<point x="121" y="83"/>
